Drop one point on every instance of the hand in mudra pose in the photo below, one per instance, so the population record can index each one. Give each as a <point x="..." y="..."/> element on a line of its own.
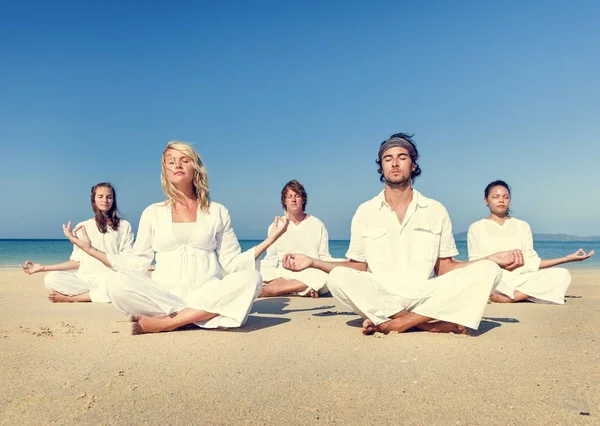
<point x="296" y="262"/>
<point x="82" y="240"/>
<point x="580" y="255"/>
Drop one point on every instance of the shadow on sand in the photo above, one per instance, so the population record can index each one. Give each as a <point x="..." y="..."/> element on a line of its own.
<point x="334" y="314"/>
<point x="256" y="323"/>
<point x="277" y="305"/>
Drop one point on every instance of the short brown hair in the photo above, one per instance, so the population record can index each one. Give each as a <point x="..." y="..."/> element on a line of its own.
<point x="296" y="187"/>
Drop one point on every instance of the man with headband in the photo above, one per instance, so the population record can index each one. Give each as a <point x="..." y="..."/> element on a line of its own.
<point x="401" y="272"/>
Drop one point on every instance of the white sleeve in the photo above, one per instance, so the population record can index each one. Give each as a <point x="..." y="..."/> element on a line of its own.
<point x="77" y="254"/>
<point x="447" y="243"/>
<point x="474" y="245"/>
<point x="142" y="254"/>
<point x="530" y="256"/>
<point x="126" y="237"/>
<point x="324" y="245"/>
<point x="272" y="256"/>
<point x="356" y="249"/>
<point x="229" y="251"/>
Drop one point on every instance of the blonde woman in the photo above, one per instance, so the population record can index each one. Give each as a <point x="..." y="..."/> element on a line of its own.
<point x="193" y="243"/>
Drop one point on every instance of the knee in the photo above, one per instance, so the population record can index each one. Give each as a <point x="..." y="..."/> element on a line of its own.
<point x="51" y="279"/>
<point x="562" y="274"/>
<point x="252" y="277"/>
<point x="487" y="268"/>
<point x="336" y="278"/>
<point x="119" y="285"/>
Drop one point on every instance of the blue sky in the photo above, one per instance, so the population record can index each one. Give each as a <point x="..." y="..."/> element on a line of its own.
<point x="271" y="91"/>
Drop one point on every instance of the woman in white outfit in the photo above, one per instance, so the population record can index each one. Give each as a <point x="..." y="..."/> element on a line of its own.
<point x="194" y="246"/>
<point x="306" y="235"/>
<point x="499" y="232"/>
<point x="83" y="278"/>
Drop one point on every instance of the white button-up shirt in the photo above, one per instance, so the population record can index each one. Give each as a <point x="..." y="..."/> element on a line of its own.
<point x="402" y="256"/>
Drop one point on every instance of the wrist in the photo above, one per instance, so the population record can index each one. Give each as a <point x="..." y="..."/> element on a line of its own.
<point x="44" y="268"/>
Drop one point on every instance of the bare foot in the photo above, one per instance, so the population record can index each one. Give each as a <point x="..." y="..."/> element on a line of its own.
<point x="443" y="327"/>
<point x="56" y="297"/>
<point x="265" y="291"/>
<point x="499" y="298"/>
<point x="312" y="293"/>
<point x="136" y="329"/>
<point x="150" y="325"/>
<point x="369" y="327"/>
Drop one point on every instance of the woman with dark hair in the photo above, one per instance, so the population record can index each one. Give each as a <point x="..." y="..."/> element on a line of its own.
<point x="83" y="278"/>
<point x="306" y="235"/>
<point x="500" y="231"/>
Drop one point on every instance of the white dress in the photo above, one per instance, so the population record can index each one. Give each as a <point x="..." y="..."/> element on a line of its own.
<point x="92" y="275"/>
<point x="486" y="237"/>
<point x="188" y="274"/>
<point x="310" y="238"/>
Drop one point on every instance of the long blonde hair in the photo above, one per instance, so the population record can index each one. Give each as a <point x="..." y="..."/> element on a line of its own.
<point x="200" y="182"/>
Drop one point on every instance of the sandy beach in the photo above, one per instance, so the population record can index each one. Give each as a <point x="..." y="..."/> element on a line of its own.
<point x="297" y="361"/>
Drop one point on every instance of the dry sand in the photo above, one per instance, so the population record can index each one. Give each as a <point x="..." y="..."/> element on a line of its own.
<point x="298" y="361"/>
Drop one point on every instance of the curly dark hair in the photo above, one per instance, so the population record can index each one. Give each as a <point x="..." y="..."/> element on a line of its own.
<point x="412" y="151"/>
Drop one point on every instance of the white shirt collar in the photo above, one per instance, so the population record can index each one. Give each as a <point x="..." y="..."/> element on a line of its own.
<point x="418" y="198"/>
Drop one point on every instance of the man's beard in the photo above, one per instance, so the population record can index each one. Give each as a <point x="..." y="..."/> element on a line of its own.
<point x="400" y="183"/>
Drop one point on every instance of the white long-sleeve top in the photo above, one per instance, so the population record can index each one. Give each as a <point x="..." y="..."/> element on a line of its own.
<point x="487" y="237"/>
<point x="111" y="242"/>
<point x="212" y="249"/>
<point x="309" y="237"/>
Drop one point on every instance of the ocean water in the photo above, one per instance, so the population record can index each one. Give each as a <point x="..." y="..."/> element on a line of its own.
<point x="15" y="252"/>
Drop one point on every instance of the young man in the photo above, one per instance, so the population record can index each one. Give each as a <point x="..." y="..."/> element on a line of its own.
<point x="306" y="235"/>
<point x="401" y="272"/>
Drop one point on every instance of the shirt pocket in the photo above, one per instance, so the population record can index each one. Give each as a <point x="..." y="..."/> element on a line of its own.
<point x="425" y="242"/>
<point x="377" y="245"/>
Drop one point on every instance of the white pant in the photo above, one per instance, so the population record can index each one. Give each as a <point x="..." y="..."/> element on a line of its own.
<point x="313" y="278"/>
<point x="543" y="286"/>
<point x="231" y="298"/>
<point x="460" y="297"/>
<point x="70" y="284"/>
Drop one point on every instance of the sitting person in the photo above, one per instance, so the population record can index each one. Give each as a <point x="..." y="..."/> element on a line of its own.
<point x="194" y="245"/>
<point x="401" y="272"/>
<point x="499" y="232"/>
<point x="306" y="235"/>
<point x="83" y="278"/>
